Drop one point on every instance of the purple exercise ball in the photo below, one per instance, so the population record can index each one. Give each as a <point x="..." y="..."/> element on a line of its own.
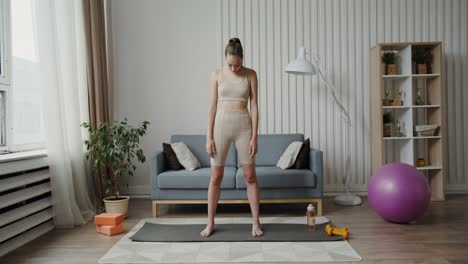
<point x="399" y="192"/>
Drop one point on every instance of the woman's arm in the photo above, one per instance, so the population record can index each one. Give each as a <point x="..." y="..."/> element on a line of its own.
<point x="213" y="104"/>
<point x="254" y="103"/>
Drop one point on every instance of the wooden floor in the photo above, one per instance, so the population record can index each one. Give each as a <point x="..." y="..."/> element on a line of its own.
<point x="440" y="236"/>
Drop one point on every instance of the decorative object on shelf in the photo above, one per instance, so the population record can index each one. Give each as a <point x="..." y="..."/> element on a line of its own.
<point x="386" y="101"/>
<point x="114" y="146"/>
<point x="421" y="57"/>
<point x="398" y="101"/>
<point x="420" y="162"/>
<point x="387" y="124"/>
<point x="427" y="130"/>
<point x="390" y="58"/>
<point x="399" y="192"/>
<point x="400" y="98"/>
<point x="419" y="98"/>
<point x="301" y="66"/>
<point x="399" y="131"/>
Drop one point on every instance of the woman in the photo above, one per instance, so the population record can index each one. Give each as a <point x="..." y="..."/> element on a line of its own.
<point x="230" y="121"/>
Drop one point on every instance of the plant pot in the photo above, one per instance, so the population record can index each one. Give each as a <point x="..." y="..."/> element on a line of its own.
<point x="391" y="69"/>
<point x="422" y="69"/>
<point x="387" y="130"/>
<point x="117" y="206"/>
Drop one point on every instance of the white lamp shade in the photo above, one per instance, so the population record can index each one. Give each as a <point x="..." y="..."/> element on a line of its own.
<point x="300" y="65"/>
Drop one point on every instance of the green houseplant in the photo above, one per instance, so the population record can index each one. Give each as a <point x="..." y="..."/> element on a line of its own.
<point x="390" y="59"/>
<point x="114" y="147"/>
<point x="420" y="57"/>
<point x="388" y="120"/>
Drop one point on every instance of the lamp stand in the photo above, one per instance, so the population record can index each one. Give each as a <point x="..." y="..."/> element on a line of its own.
<point x="348" y="198"/>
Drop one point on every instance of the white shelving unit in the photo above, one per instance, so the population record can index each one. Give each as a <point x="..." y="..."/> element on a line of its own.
<point x="408" y="147"/>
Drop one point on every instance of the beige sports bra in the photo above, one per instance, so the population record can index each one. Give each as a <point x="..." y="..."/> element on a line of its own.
<point x="233" y="90"/>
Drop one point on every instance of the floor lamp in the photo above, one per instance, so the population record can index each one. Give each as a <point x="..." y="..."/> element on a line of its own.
<point x="301" y="66"/>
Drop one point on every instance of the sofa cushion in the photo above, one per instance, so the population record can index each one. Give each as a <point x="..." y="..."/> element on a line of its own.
<point x="197" y="179"/>
<point x="271" y="147"/>
<point x="275" y="177"/>
<point x="197" y="144"/>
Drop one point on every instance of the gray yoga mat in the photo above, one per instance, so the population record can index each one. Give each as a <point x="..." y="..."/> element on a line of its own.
<point x="151" y="232"/>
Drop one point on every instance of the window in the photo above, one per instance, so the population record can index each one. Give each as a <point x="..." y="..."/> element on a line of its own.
<point x="4" y="75"/>
<point x="21" y="107"/>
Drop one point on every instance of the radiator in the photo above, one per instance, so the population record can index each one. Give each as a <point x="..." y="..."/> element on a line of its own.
<point x="26" y="210"/>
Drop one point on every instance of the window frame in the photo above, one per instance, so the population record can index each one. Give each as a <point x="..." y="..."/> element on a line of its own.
<point x="5" y="75"/>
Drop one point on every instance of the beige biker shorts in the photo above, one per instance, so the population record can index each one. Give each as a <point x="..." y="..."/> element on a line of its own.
<point x="232" y="125"/>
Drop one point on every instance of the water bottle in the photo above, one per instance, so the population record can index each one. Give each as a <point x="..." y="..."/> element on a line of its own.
<point x="310" y="216"/>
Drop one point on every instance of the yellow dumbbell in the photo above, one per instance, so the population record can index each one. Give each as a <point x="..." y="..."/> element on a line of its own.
<point x="343" y="232"/>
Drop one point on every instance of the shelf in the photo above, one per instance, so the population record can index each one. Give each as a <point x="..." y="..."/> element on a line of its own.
<point x="396" y="138"/>
<point x="426" y="106"/>
<point x="427" y="137"/>
<point x="397" y="76"/>
<point x="407" y="86"/>
<point x="429" y="168"/>
<point x="396" y="107"/>
<point x="432" y="75"/>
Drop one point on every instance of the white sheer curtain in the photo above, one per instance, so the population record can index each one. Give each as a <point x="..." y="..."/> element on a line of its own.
<point x="61" y="49"/>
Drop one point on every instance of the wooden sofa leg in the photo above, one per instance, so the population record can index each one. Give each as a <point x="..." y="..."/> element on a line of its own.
<point x="155" y="209"/>
<point x="319" y="207"/>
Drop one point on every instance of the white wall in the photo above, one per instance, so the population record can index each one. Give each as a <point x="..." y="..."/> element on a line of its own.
<point x="163" y="52"/>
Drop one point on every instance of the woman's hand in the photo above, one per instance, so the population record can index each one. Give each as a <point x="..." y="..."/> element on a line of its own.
<point x="253" y="147"/>
<point x="210" y="148"/>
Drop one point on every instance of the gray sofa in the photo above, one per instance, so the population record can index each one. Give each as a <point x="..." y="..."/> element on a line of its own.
<point x="276" y="185"/>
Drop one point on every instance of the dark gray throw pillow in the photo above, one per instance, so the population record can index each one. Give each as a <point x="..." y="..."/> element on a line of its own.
<point x="171" y="157"/>
<point x="302" y="159"/>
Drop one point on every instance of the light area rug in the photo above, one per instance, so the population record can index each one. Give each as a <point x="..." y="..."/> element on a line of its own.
<point x="127" y="251"/>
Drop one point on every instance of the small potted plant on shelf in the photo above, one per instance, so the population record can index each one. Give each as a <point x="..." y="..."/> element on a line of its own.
<point x="420" y="58"/>
<point x="389" y="58"/>
<point x="114" y="147"/>
<point x="387" y="124"/>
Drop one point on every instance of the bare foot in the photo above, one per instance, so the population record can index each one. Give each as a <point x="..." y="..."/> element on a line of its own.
<point x="256" y="230"/>
<point x="207" y="231"/>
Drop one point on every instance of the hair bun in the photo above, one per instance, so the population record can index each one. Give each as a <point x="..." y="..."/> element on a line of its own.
<point x="234" y="40"/>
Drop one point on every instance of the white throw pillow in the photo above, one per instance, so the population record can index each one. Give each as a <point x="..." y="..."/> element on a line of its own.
<point x="289" y="156"/>
<point x="185" y="156"/>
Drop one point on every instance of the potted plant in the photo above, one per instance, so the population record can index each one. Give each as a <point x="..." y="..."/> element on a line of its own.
<point x="390" y="58"/>
<point x="114" y="147"/>
<point x="420" y="57"/>
<point x="387" y="124"/>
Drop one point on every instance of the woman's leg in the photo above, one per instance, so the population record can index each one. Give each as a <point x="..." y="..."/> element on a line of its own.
<point x="253" y="194"/>
<point x="214" y="190"/>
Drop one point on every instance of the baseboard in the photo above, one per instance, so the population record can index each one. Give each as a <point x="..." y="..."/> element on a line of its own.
<point x="456" y="188"/>
<point x="136" y="190"/>
<point x="354" y="188"/>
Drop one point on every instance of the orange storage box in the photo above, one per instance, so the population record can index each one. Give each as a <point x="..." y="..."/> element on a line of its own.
<point x="109" y="230"/>
<point x="109" y="219"/>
